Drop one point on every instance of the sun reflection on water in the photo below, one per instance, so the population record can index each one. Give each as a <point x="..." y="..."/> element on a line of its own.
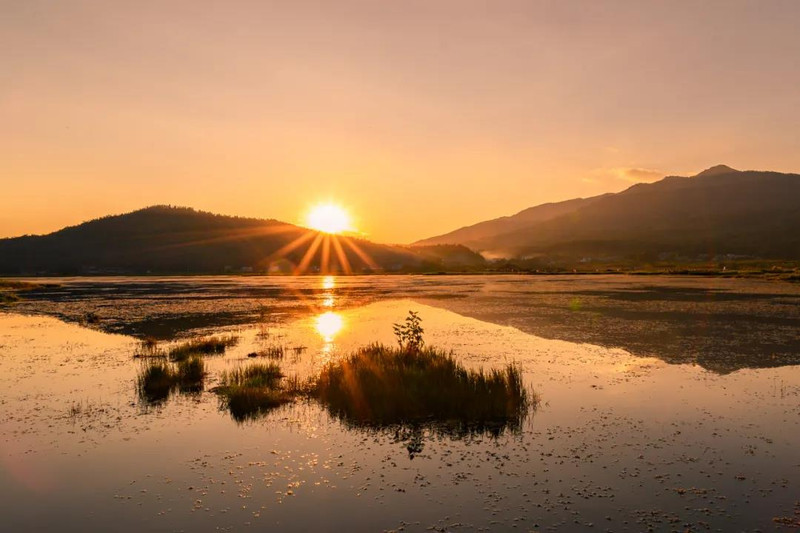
<point x="328" y="325"/>
<point x="328" y="282"/>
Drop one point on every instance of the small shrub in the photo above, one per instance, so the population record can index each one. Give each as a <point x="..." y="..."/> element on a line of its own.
<point x="409" y="333"/>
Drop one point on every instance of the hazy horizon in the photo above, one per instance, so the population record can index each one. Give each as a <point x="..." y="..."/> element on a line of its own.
<point x="418" y="118"/>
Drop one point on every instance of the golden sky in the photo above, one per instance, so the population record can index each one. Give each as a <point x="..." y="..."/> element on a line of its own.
<point x="418" y="116"/>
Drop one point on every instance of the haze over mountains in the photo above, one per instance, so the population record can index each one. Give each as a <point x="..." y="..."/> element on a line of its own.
<point x="163" y="239"/>
<point x="719" y="212"/>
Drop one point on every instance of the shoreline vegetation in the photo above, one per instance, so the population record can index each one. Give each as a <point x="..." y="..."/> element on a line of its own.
<point x="11" y="290"/>
<point x="406" y="388"/>
<point x="769" y="270"/>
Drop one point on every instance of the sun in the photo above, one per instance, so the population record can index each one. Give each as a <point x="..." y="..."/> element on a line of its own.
<point x="329" y="218"/>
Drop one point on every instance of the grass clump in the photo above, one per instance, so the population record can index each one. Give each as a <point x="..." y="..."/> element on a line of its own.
<point x="7" y="297"/>
<point x="276" y="351"/>
<point x="148" y="347"/>
<point x="205" y="346"/>
<point x="250" y="391"/>
<point x="379" y="386"/>
<point x="159" y="379"/>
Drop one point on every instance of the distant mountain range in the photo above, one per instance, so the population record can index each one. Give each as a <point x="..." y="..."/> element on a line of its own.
<point x="164" y="239"/>
<point x="720" y="212"/>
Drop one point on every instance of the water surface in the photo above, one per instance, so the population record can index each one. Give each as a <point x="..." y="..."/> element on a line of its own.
<point x="670" y="403"/>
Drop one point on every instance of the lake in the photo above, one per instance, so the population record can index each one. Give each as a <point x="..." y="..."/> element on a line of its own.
<point x="664" y="404"/>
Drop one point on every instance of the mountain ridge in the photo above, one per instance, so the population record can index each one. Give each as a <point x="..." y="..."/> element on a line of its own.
<point x="718" y="211"/>
<point x="171" y="239"/>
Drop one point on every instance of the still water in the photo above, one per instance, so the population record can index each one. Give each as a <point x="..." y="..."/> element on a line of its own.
<point x="665" y="403"/>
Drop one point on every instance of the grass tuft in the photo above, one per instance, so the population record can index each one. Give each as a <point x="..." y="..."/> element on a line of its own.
<point x="158" y="379"/>
<point x="380" y="386"/>
<point x="251" y="391"/>
<point x="205" y="346"/>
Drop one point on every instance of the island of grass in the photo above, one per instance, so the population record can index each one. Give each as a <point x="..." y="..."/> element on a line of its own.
<point x="159" y="379"/>
<point x="250" y="391"/>
<point x="203" y="346"/>
<point x="383" y="386"/>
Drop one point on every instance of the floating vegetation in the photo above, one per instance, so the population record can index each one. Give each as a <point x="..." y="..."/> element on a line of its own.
<point x="383" y="386"/>
<point x="250" y="391"/>
<point x="159" y="379"/>
<point x="206" y="346"/>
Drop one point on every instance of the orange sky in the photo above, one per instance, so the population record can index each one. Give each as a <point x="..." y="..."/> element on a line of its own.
<point x="419" y="116"/>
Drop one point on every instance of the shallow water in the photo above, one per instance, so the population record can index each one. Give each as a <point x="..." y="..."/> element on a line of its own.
<point x="670" y="404"/>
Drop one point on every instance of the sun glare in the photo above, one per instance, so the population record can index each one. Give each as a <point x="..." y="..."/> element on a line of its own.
<point x="329" y="218"/>
<point x="328" y="324"/>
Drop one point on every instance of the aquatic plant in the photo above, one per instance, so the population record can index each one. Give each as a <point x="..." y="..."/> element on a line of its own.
<point x="250" y="391"/>
<point x="155" y="382"/>
<point x="276" y="351"/>
<point x="379" y="385"/>
<point x="158" y="379"/>
<point x="204" y="346"/>
<point x="148" y="347"/>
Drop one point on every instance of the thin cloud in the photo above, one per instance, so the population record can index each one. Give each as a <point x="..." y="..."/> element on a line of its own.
<point x="638" y="175"/>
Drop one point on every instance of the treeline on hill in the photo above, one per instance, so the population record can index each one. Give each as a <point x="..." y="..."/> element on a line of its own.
<point x="164" y="239"/>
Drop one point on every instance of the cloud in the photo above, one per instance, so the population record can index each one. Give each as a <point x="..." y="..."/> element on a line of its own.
<point x="637" y="175"/>
<point x="609" y="177"/>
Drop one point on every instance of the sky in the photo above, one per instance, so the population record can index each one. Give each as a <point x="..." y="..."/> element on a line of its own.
<point x="418" y="117"/>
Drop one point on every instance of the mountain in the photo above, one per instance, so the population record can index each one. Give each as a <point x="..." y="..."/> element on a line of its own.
<point x="164" y="239"/>
<point x="719" y="212"/>
<point x="472" y="236"/>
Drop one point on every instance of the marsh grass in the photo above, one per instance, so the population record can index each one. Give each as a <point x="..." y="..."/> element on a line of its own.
<point x="205" y="346"/>
<point x="148" y="347"/>
<point x="10" y="290"/>
<point x="8" y="284"/>
<point x="158" y="379"/>
<point x="276" y="351"/>
<point x="251" y="391"/>
<point x="8" y="297"/>
<point x="382" y="386"/>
